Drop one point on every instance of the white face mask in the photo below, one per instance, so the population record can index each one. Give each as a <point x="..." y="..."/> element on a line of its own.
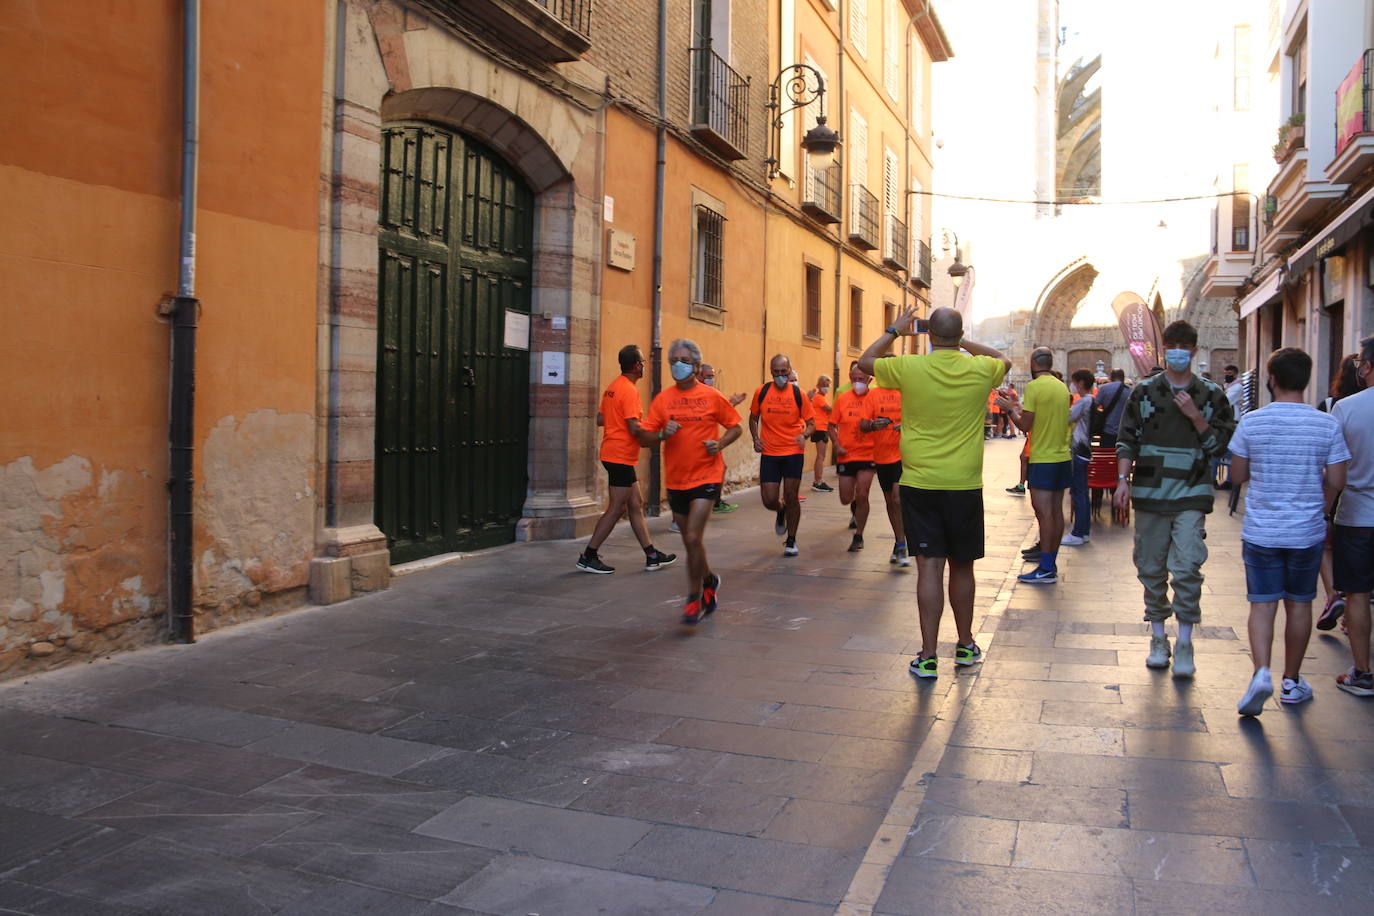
<point x="861" y="388"/>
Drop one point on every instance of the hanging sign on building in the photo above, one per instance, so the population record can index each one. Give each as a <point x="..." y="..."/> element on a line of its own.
<point x="1140" y="327"/>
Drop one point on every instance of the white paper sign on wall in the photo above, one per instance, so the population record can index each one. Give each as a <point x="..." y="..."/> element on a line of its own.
<point x="553" y="369"/>
<point x="517" y="335"/>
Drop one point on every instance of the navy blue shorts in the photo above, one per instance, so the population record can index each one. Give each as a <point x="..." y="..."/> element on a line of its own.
<point x="773" y="468"/>
<point x="1056" y="475"/>
<point x="1352" y="559"/>
<point x="1276" y="573"/>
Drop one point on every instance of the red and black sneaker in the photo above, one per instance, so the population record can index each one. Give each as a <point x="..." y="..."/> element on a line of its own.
<point x="693" y="612"/>
<point x="710" y="592"/>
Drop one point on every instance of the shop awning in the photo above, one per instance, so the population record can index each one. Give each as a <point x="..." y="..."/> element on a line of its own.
<point x="1260" y="295"/>
<point x="1340" y="231"/>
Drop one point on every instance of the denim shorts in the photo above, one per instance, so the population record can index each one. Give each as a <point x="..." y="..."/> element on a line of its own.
<point x="1276" y="573"/>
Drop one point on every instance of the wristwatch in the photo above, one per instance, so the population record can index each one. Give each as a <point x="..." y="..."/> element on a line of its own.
<point x="1122" y="476"/>
<point x="893" y="331"/>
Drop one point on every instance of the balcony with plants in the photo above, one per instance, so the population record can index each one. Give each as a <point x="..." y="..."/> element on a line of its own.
<point x="1297" y="195"/>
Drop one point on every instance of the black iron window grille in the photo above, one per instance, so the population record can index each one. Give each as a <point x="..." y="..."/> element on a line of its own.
<point x="863" y="217"/>
<point x="920" y="274"/>
<point x="821" y="193"/>
<point x="710" y="258"/>
<point x="894" y="249"/>
<point x="575" y="14"/>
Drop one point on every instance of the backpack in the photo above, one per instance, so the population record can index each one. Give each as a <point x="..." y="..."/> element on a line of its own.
<point x="1097" y="418"/>
<point x="796" y="394"/>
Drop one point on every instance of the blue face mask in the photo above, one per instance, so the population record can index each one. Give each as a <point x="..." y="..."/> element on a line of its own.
<point x="1177" y="360"/>
<point x="780" y="381"/>
<point x="682" y="371"/>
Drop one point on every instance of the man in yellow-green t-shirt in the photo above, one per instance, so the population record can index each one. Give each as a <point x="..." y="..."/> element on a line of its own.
<point x="1044" y="413"/>
<point x="944" y="404"/>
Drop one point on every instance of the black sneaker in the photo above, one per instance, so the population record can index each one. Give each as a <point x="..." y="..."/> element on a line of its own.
<point x="1335" y="607"/>
<point x="658" y="560"/>
<point x="593" y="564"/>
<point x="823" y="487"/>
<point x="789" y="547"/>
<point x="710" y="593"/>
<point x="693" y="612"/>
<point x="857" y="544"/>
<point x="780" y="523"/>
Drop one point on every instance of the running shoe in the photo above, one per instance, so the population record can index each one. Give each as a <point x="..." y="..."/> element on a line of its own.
<point x="1183" y="660"/>
<point x="672" y="526"/>
<point x="693" y="612"/>
<point x="1030" y="557"/>
<point x="710" y="593"/>
<point x="1257" y="694"/>
<point x="1359" y="683"/>
<point x="905" y="558"/>
<point x="1159" y="652"/>
<point x="923" y="667"/>
<point x="592" y="563"/>
<point x="899" y="556"/>
<point x="658" y="560"/>
<point x="789" y="549"/>
<point x="1018" y="490"/>
<point x="823" y="487"/>
<point x="857" y="544"/>
<point x="1335" y="607"/>
<point x="1292" y="691"/>
<point x="967" y="655"/>
<point x="723" y="507"/>
<point x="1039" y="576"/>
<point x="1073" y="540"/>
<point x="780" y="523"/>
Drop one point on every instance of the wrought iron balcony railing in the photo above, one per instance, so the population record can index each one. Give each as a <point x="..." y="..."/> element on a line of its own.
<point x="863" y="218"/>
<point x="720" y="104"/>
<point x="895" y="243"/>
<point x="821" y="194"/>
<point x="575" y="14"/>
<point x="920" y="271"/>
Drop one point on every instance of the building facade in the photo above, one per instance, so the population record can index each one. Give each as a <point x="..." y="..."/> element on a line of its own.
<point x="1309" y="282"/>
<point x="414" y="270"/>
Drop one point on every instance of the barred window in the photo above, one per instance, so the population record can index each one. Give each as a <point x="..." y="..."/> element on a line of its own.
<point x="813" y="301"/>
<point x="856" y="317"/>
<point x="709" y="258"/>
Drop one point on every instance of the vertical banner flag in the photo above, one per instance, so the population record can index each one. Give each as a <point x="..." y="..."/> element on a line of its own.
<point x="963" y="300"/>
<point x="1141" y="329"/>
<point x="1350" y="106"/>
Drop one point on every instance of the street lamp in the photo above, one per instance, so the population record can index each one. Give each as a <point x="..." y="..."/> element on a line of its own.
<point x="793" y="86"/>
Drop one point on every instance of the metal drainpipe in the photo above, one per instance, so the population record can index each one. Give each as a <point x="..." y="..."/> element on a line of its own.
<point x="660" y="165"/>
<point x="841" y="103"/>
<point x="331" y="463"/>
<point x="906" y="138"/>
<point x="181" y="409"/>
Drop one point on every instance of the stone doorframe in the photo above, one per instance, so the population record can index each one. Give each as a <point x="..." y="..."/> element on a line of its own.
<point x="400" y="65"/>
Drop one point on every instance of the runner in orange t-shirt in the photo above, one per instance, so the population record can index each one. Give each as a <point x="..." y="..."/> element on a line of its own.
<point x="821" y="437"/>
<point x="781" y="420"/>
<point x="686" y="418"/>
<point x="885" y="426"/>
<point x="854" y="451"/>
<point x="619" y="416"/>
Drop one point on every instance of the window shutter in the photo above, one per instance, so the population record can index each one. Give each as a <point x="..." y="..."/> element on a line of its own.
<point x="858" y="162"/>
<point x="890" y="180"/>
<point x="892" y="50"/>
<point x="858" y="26"/>
<point x="917" y="103"/>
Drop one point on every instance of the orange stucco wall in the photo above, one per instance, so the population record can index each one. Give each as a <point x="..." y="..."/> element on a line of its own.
<point x="89" y="172"/>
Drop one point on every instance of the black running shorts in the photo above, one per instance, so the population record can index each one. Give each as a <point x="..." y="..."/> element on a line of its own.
<point x="680" y="501"/>
<point x="943" y="523"/>
<point x="621" y="475"/>
<point x="889" y="475"/>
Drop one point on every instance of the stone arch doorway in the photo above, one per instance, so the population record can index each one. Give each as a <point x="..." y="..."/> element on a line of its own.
<point x="1058" y="303"/>
<point x="455" y="242"/>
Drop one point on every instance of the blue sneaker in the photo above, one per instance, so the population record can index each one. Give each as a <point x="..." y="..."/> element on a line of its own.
<point x="1039" y="577"/>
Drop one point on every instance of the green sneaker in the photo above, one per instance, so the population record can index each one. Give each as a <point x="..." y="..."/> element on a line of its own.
<point x="723" y="507"/>
<point x="967" y="655"/>
<point x="923" y="667"/>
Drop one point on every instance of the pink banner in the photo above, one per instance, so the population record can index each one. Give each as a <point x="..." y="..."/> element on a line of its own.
<point x="1144" y="338"/>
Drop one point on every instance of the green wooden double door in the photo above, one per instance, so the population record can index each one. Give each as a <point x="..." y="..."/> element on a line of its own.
<point x="452" y="400"/>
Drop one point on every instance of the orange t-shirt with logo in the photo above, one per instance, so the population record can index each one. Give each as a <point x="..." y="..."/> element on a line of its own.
<point x="781" y="420"/>
<point x="820" y="407"/>
<point x="887" y="443"/>
<point x="620" y="404"/>
<point x="992" y="402"/>
<point x="699" y="411"/>
<point x="850" y="410"/>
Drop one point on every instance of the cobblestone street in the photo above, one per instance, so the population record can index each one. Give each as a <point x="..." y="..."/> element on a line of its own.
<point x="505" y="735"/>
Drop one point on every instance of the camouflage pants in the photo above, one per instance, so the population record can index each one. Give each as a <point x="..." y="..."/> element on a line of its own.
<point x="1171" y="543"/>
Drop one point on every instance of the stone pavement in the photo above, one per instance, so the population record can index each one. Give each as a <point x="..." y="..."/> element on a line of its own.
<point x="504" y="735"/>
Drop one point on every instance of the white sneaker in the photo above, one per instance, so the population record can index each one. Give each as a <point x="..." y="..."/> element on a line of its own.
<point x="1298" y="691"/>
<point x="1159" y="652"/>
<point x="1183" y="660"/>
<point x="672" y="526"/>
<point x="1073" y="540"/>
<point x="1257" y="694"/>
